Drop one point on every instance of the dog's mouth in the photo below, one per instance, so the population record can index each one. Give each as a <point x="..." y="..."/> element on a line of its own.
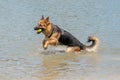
<point x="39" y="30"/>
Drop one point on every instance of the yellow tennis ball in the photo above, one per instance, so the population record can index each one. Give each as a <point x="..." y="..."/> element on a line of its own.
<point x="39" y="30"/>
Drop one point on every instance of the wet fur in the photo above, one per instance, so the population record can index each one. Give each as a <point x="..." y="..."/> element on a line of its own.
<point x="57" y="37"/>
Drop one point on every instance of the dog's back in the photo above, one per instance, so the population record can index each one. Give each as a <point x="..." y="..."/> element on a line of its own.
<point x="67" y="39"/>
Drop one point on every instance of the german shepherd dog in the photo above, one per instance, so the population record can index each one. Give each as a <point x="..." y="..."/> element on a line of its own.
<point x="54" y="35"/>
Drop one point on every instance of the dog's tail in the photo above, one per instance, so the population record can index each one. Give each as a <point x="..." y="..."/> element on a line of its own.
<point x="94" y="45"/>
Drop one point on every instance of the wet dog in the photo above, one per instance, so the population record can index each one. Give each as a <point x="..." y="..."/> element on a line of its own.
<point x="54" y="35"/>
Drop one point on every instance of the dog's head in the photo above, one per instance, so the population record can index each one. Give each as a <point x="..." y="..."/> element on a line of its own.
<point x="42" y="24"/>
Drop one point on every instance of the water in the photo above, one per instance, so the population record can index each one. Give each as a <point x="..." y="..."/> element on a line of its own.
<point x="23" y="58"/>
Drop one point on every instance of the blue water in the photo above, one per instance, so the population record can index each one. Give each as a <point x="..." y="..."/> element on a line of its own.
<point x="21" y="53"/>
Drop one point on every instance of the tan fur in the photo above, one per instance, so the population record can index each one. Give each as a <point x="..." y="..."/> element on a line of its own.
<point x="73" y="49"/>
<point x="95" y="43"/>
<point x="53" y="40"/>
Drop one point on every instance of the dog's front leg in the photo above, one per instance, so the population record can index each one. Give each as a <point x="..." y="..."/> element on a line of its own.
<point x="49" y="42"/>
<point x="45" y="44"/>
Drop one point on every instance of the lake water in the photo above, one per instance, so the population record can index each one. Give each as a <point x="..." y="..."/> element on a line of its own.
<point x="23" y="58"/>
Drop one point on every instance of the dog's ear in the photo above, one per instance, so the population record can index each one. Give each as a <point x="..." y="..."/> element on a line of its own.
<point x="47" y="18"/>
<point x="42" y="17"/>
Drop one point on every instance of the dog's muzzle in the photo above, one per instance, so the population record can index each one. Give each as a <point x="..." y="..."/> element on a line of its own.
<point x="36" y="28"/>
<point x="39" y="30"/>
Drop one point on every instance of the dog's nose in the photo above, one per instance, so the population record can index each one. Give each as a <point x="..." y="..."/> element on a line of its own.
<point x="35" y="28"/>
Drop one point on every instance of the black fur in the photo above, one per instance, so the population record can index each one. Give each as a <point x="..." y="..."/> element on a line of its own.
<point x="67" y="39"/>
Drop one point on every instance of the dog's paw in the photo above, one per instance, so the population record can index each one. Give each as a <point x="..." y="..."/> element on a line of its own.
<point x="45" y="47"/>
